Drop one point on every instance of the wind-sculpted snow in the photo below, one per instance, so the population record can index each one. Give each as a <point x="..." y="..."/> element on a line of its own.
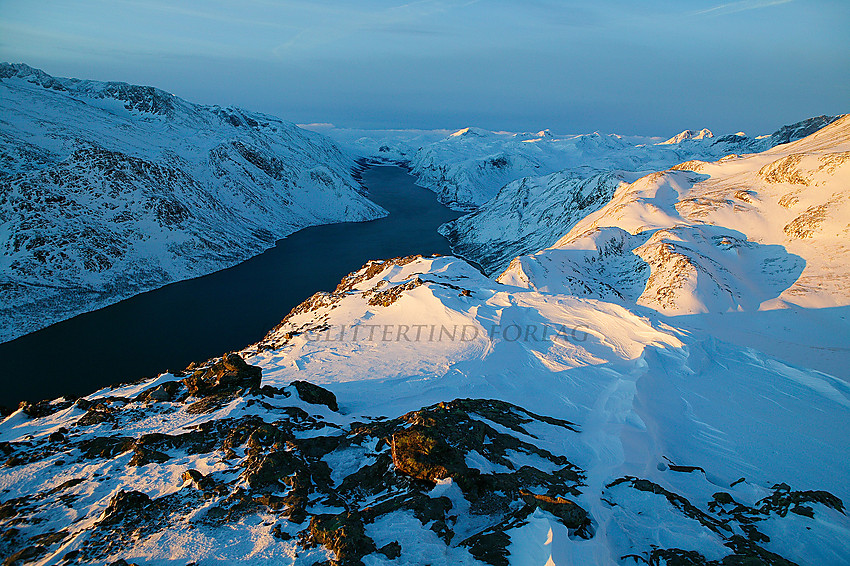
<point x="742" y="233"/>
<point x="109" y="189"/>
<point x="461" y="422"/>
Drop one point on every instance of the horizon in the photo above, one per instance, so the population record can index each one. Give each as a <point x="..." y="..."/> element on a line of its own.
<point x="433" y="65"/>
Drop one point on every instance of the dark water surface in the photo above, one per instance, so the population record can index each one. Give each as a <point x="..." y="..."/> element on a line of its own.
<point x="194" y="320"/>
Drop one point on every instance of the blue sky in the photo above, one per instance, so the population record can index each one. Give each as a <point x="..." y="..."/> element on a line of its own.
<point x="650" y="67"/>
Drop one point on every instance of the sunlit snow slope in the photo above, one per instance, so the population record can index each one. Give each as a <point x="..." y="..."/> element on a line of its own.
<point x="533" y="212"/>
<point x="743" y="233"/>
<point x="448" y="419"/>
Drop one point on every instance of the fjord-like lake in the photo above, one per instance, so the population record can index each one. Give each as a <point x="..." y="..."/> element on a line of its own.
<point x="200" y="318"/>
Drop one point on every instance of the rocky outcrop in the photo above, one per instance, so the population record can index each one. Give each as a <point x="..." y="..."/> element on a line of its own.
<point x="228" y="375"/>
<point x="471" y="473"/>
<point x="314" y="394"/>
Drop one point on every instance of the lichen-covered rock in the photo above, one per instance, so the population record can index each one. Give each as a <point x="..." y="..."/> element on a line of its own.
<point x="228" y="375"/>
<point x="343" y="534"/>
<point x="311" y="393"/>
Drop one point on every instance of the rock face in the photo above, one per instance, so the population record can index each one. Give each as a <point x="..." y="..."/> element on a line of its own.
<point x="110" y="189"/>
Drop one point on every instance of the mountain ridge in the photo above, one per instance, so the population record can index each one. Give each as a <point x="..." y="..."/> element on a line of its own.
<point x="113" y="189"/>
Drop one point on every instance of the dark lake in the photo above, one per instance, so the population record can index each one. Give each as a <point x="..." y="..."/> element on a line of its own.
<point x="200" y="318"/>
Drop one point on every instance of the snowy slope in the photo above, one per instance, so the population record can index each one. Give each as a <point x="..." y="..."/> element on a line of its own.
<point x="110" y="189"/>
<point x="443" y="437"/>
<point x="531" y="214"/>
<point x="743" y="233"/>
<point x="534" y="212"/>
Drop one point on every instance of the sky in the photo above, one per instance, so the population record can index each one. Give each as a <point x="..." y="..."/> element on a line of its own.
<point x="650" y="67"/>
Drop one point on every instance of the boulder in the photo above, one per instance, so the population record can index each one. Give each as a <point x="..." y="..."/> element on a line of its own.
<point x="315" y="395"/>
<point x="228" y="375"/>
<point x="343" y="534"/>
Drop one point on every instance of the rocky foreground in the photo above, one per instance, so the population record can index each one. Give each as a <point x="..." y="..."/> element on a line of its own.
<point x="213" y="465"/>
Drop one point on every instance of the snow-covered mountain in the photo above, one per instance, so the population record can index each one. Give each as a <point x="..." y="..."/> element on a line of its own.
<point x="391" y="146"/>
<point x="743" y="233"/>
<point x="705" y="133"/>
<point x="111" y="189"/>
<point x="469" y="167"/>
<point x="534" y="212"/>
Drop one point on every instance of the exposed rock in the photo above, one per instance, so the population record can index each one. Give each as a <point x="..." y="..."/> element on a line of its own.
<point x="43" y="408"/>
<point x="162" y="392"/>
<point x="25" y="555"/>
<point x="311" y="393"/>
<point x="784" y="500"/>
<point x="106" y="446"/>
<point x="730" y="518"/>
<point x="425" y="457"/>
<point x="391" y="550"/>
<point x="125" y="505"/>
<point x="267" y="470"/>
<point x="197" y="480"/>
<point x="228" y="375"/>
<point x="143" y="456"/>
<point x="570" y="514"/>
<point x="96" y="414"/>
<point x="805" y="225"/>
<point x="388" y="296"/>
<point x="371" y="269"/>
<point x="56" y="437"/>
<point x="210" y="403"/>
<point x="343" y="534"/>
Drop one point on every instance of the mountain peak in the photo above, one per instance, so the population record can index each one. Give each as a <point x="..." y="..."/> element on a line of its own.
<point x="470" y="132"/>
<point x="140" y="98"/>
<point x="30" y="74"/>
<point x="689" y="135"/>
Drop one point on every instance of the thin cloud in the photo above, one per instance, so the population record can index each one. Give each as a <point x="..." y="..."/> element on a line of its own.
<point x="346" y="23"/>
<point x="742" y="6"/>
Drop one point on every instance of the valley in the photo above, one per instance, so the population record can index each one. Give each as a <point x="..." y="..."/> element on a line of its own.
<point x="516" y="349"/>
